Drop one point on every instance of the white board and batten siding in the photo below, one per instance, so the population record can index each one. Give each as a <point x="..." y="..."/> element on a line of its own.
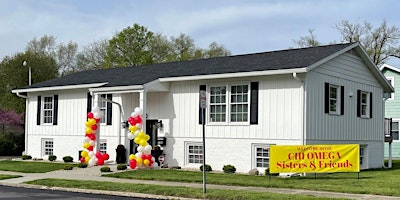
<point x="349" y="71"/>
<point x="279" y="122"/>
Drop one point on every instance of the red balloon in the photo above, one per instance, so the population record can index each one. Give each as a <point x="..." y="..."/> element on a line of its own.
<point x="130" y="120"/>
<point x="100" y="161"/>
<point x="137" y="120"/>
<point x="94" y="127"/>
<point x="82" y="159"/>
<point x="90" y="115"/>
<point x="132" y="164"/>
<point x="90" y="148"/>
<point x="91" y="136"/>
<point x="106" y="156"/>
<point x="99" y="155"/>
<point x="97" y="120"/>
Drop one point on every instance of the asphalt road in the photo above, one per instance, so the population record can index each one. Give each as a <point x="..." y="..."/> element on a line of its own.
<point x="19" y="193"/>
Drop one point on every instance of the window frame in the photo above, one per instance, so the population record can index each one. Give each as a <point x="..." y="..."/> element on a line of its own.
<point x="255" y="156"/>
<point x="103" y="146"/>
<point x="103" y="109"/>
<point x="367" y="104"/>
<point x="398" y="130"/>
<point x="46" y="148"/>
<point x="229" y="103"/>
<point x="44" y="109"/>
<point x="363" y="156"/>
<point x="337" y="99"/>
<point x="188" y="154"/>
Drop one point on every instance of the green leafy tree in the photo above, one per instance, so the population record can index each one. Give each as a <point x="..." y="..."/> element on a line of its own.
<point x="93" y="56"/>
<point x="14" y="75"/>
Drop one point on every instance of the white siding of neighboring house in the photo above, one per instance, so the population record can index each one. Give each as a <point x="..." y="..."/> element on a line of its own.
<point x="279" y="122"/>
<point x="349" y="71"/>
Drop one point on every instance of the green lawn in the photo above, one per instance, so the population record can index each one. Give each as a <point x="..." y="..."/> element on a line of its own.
<point x="31" y="166"/>
<point x="4" y="176"/>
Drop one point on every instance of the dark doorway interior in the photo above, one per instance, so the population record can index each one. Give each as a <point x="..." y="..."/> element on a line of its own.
<point x="151" y="130"/>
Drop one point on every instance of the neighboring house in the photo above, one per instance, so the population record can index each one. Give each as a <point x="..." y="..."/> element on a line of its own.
<point x="392" y="108"/>
<point x="321" y="95"/>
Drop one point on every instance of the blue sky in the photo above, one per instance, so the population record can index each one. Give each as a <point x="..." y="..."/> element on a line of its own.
<point x="241" y="26"/>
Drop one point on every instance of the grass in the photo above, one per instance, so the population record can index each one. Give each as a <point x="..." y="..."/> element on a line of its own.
<point x="31" y="166"/>
<point x="4" y="176"/>
<point x="169" y="191"/>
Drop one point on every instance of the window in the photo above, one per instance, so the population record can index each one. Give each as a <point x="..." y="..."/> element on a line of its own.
<point x="103" y="146"/>
<point x="361" y="155"/>
<point x="364" y="104"/>
<point x="395" y="130"/>
<point x="262" y="156"/>
<point x="103" y="108"/>
<point x="47" y="147"/>
<point x="391" y="81"/>
<point x="194" y="153"/>
<point x="229" y="103"/>
<point x="48" y="110"/>
<point x="334" y="99"/>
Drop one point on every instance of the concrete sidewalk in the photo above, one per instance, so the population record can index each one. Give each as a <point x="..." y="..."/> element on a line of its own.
<point x="94" y="174"/>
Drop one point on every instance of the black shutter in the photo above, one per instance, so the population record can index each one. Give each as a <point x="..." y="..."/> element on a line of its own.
<point x="370" y="105"/>
<point x="39" y="109"/>
<point x="55" y="110"/>
<point x="109" y="109"/>
<point x="202" y="87"/>
<point x="326" y="97"/>
<point x="358" y="103"/>
<point x="89" y="103"/>
<point x="342" y="100"/>
<point x="254" y="103"/>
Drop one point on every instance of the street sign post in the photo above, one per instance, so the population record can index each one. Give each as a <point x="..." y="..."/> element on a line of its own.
<point x="203" y="105"/>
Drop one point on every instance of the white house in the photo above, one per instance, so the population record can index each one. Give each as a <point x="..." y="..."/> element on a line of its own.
<point x="321" y="95"/>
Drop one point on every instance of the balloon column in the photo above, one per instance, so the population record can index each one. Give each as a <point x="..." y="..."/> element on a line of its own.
<point x="87" y="155"/>
<point x="143" y="157"/>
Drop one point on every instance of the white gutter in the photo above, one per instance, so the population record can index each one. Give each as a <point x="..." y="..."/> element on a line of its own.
<point x="303" y="116"/>
<point x="65" y="87"/>
<point x="115" y="89"/>
<point x="234" y="75"/>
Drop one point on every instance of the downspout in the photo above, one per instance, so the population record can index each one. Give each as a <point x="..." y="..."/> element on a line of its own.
<point x="26" y="119"/>
<point x="294" y="74"/>
<point x="121" y="112"/>
<point x="390" y="143"/>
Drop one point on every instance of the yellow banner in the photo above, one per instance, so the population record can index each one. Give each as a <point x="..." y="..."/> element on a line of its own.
<point x="314" y="158"/>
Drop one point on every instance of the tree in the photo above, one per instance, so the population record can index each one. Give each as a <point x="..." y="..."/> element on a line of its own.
<point x="381" y="42"/>
<point x="63" y="54"/>
<point x="130" y="47"/>
<point x="14" y="75"/>
<point x="93" y="56"/>
<point x="215" y="50"/>
<point x="308" y="41"/>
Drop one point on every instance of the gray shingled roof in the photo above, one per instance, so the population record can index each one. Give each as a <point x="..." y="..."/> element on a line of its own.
<point x="139" y="75"/>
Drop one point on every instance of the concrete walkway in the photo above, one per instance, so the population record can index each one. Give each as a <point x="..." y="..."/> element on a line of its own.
<point x="94" y="174"/>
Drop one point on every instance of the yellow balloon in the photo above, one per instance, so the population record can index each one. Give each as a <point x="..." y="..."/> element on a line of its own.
<point x="132" y="157"/>
<point x="146" y="162"/>
<point x="84" y="153"/>
<point x="87" y="158"/>
<point x="147" y="137"/>
<point x="139" y="161"/>
<point x="143" y="143"/>
<point x="141" y="134"/>
<point x="89" y="130"/>
<point x="92" y="121"/>
<point x="86" y="145"/>
<point x="133" y="129"/>
<point x="87" y="124"/>
<point x="136" y="140"/>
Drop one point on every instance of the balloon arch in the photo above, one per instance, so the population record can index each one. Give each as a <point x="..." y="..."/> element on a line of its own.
<point x="143" y="157"/>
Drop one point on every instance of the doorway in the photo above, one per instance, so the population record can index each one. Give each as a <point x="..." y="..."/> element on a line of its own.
<point x="151" y="130"/>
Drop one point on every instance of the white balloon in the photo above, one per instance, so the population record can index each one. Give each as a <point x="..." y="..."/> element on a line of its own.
<point x="154" y="164"/>
<point x="140" y="149"/>
<point x="147" y="152"/>
<point x="153" y="159"/>
<point x="130" y="136"/>
<point x="92" y="162"/>
<point x="147" y="147"/>
<point x="91" y="142"/>
<point x="95" y="109"/>
<point x="139" y="111"/>
<point x="134" y="114"/>
<point x="96" y="115"/>
<point x="91" y="154"/>
<point x="138" y="155"/>
<point x="138" y="125"/>
<point x="86" y="139"/>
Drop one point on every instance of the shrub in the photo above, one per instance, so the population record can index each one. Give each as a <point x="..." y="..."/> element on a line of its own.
<point x="208" y="168"/>
<point x="105" y="169"/>
<point x="26" y="157"/>
<point x="229" y="169"/>
<point x="68" y="167"/>
<point x="68" y="159"/>
<point x="52" y="157"/>
<point x="121" y="167"/>
<point x="82" y="165"/>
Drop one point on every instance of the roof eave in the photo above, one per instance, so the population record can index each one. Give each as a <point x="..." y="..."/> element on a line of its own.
<point x="54" y="88"/>
<point x="234" y="75"/>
